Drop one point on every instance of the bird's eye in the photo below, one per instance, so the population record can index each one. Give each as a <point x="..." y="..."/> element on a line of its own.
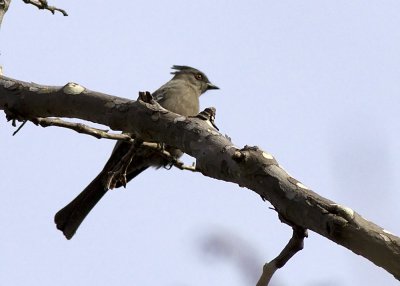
<point x="199" y="76"/>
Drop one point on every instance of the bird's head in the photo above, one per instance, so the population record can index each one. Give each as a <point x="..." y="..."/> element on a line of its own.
<point x="194" y="77"/>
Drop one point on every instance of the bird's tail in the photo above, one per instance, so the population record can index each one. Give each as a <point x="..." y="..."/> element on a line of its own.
<point x="69" y="218"/>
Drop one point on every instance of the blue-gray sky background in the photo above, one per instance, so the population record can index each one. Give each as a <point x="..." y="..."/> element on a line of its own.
<point x="315" y="83"/>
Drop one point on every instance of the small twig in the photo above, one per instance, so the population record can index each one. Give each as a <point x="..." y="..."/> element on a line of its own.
<point x="295" y="244"/>
<point x="14" y="116"/>
<point x="20" y="127"/>
<point x="99" y="133"/>
<point x="42" y="5"/>
<point x="179" y="164"/>
<point x="208" y="115"/>
<point x="118" y="173"/>
<point x="81" y="128"/>
<point x="174" y="162"/>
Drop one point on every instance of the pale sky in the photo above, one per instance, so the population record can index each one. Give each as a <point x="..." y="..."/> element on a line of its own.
<point x="315" y="83"/>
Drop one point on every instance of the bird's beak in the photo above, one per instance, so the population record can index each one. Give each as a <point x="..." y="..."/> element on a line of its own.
<point x="211" y="86"/>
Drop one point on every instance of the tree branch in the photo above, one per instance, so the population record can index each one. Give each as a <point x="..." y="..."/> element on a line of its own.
<point x="42" y="5"/>
<point x="4" y="4"/>
<point x="81" y="128"/>
<point x="295" y="244"/>
<point x="216" y="157"/>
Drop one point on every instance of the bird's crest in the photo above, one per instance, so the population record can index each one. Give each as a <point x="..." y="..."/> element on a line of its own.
<point x="181" y="68"/>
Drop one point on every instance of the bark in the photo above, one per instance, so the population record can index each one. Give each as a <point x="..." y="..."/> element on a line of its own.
<point x="216" y="157"/>
<point x="43" y="5"/>
<point x="3" y="8"/>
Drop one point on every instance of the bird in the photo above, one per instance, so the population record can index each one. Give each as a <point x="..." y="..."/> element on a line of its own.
<point x="179" y="95"/>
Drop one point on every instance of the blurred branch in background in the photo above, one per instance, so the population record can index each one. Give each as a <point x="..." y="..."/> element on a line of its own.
<point x="226" y="246"/>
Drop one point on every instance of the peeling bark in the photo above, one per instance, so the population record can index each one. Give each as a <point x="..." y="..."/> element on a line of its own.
<point x="216" y="157"/>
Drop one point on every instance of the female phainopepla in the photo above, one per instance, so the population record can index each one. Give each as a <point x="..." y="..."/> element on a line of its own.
<point x="180" y="95"/>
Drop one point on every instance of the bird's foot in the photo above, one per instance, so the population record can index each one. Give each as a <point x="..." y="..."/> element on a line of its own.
<point x="117" y="176"/>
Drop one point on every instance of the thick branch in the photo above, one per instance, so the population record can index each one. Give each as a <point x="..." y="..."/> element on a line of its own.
<point x="216" y="157"/>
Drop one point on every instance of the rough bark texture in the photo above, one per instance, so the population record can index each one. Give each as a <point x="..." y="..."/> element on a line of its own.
<point x="216" y="157"/>
<point x="3" y="8"/>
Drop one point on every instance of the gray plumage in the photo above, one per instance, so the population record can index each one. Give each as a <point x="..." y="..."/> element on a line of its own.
<point x="180" y="95"/>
